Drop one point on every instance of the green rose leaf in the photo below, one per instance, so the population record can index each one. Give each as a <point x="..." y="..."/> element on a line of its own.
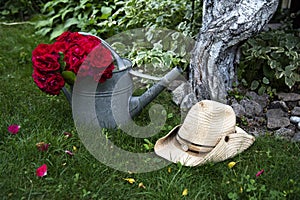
<point x="266" y="80"/>
<point x="254" y="85"/>
<point x="69" y="77"/>
<point x="106" y="12"/>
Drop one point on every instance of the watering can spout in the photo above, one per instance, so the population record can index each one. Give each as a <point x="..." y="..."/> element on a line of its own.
<point x="136" y="104"/>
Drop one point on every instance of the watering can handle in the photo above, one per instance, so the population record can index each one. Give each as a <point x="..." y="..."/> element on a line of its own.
<point x="146" y="76"/>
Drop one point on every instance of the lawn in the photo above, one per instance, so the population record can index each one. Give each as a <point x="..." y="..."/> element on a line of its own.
<point x="48" y="119"/>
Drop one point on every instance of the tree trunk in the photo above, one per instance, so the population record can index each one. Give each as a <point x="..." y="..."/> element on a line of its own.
<point x="225" y="25"/>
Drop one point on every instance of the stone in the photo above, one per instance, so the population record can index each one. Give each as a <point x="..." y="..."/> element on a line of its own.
<point x="285" y="132"/>
<point x="252" y="108"/>
<point x="296" y="111"/>
<point x="180" y="92"/>
<point x="291" y="104"/>
<point x="295" y="119"/>
<point x="296" y="137"/>
<point x="187" y="102"/>
<point x="275" y="123"/>
<point x="174" y="84"/>
<point x="279" y="104"/>
<point x="257" y="121"/>
<point x="288" y="96"/>
<point x="238" y="109"/>
<point x="261" y="100"/>
<point x="276" y="113"/>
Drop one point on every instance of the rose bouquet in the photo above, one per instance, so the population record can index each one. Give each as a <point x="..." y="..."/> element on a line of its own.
<point x="59" y="63"/>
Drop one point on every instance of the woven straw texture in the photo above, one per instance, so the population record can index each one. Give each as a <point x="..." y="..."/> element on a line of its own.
<point x="207" y="123"/>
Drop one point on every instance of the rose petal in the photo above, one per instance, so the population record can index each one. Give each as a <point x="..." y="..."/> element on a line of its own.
<point x="41" y="171"/>
<point x="67" y="134"/>
<point x="14" y="129"/>
<point x="260" y="173"/>
<point x="42" y="146"/>
<point x="69" y="152"/>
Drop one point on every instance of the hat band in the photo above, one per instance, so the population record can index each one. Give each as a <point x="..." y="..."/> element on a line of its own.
<point x="190" y="146"/>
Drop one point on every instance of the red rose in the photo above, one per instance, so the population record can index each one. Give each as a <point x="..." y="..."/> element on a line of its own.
<point x="64" y="37"/>
<point x="45" y="59"/>
<point x="85" y="70"/>
<point x="60" y="46"/>
<point x="100" y="57"/>
<point x="42" y="49"/>
<point x="75" y="48"/>
<point x="74" y="57"/>
<point x="103" y="75"/>
<point x="50" y="83"/>
<point x="91" y="42"/>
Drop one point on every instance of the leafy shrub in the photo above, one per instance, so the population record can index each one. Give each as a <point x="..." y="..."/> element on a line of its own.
<point x="271" y="60"/>
<point x="83" y="15"/>
<point x="152" y="50"/>
<point x="172" y="14"/>
<point x="106" y="18"/>
<point x="20" y="9"/>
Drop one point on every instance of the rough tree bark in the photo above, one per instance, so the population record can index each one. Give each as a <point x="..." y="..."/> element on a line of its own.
<point x="225" y="25"/>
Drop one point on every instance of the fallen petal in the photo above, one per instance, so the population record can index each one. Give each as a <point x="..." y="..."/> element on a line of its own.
<point x="67" y="134"/>
<point x="129" y="180"/>
<point x="69" y="152"/>
<point x="260" y="172"/>
<point x="185" y="192"/>
<point x="42" y="146"/>
<point x="41" y="171"/>
<point x="14" y="129"/>
<point x="231" y="164"/>
<point x="141" y="185"/>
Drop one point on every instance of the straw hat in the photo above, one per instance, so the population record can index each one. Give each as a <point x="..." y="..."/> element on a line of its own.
<point x="208" y="134"/>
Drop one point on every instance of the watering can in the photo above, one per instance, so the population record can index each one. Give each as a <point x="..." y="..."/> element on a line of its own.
<point x="114" y="103"/>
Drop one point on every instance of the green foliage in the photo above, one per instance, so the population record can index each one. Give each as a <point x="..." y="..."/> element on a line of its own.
<point x="83" y="15"/>
<point x="251" y="189"/>
<point x="236" y="94"/>
<point x="172" y="14"/>
<point x="155" y="57"/>
<point x="20" y="9"/>
<point x="154" y="51"/>
<point x="271" y="61"/>
<point x="107" y="18"/>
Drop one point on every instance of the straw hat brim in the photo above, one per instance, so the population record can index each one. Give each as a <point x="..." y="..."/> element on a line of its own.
<point x="228" y="146"/>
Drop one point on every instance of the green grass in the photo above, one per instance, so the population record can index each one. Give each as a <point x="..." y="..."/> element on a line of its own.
<point x="46" y="118"/>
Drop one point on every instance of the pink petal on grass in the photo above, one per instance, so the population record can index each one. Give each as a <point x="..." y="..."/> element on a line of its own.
<point x="69" y="152"/>
<point x="42" y="146"/>
<point x="67" y="134"/>
<point x="41" y="171"/>
<point x="260" y="173"/>
<point x="14" y="129"/>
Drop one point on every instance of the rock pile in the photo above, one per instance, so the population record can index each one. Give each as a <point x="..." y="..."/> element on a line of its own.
<point x="256" y="114"/>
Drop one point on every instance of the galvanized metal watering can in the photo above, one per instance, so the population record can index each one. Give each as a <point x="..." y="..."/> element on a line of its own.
<point x="114" y="103"/>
